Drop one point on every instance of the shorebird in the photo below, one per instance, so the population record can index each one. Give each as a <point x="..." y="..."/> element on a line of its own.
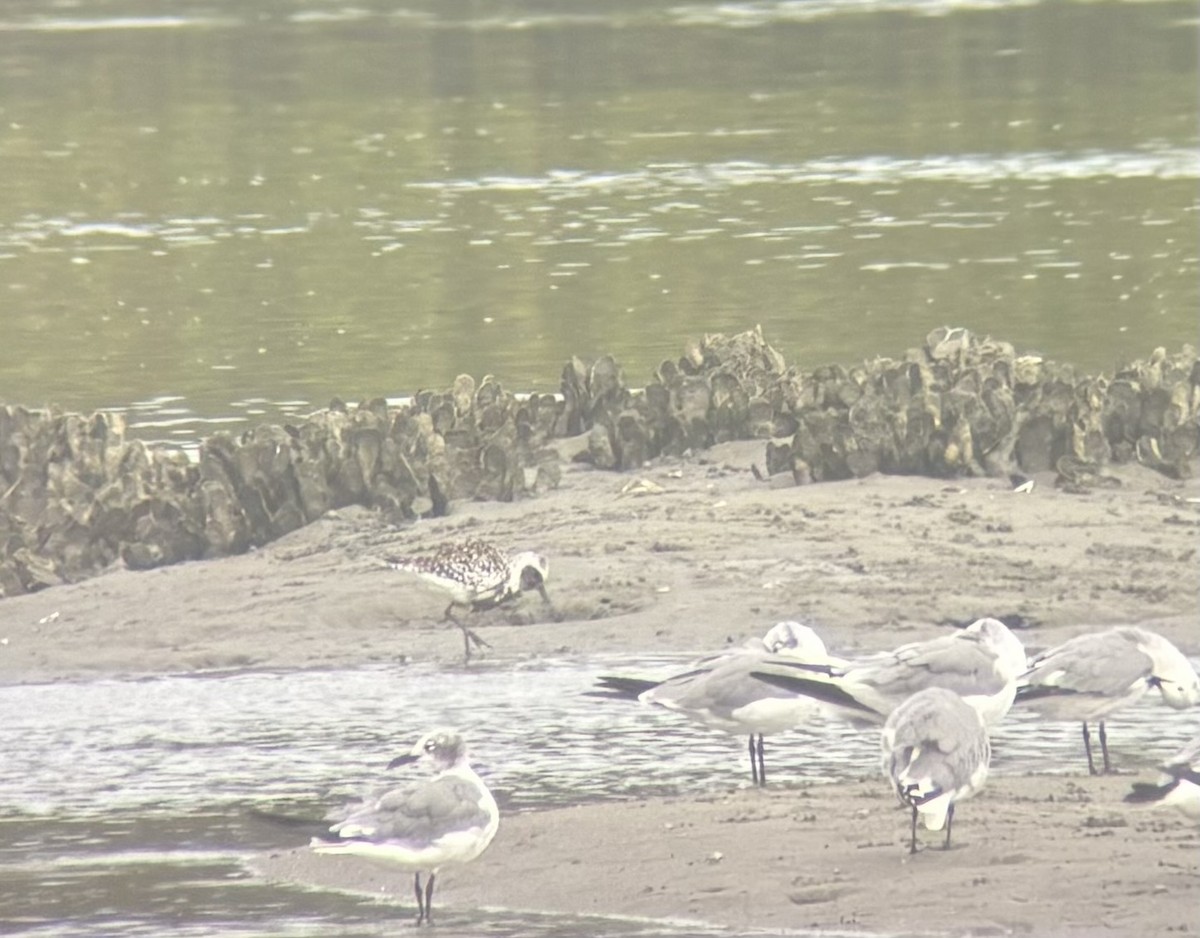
<point x="1091" y="676"/>
<point x="449" y="818"/>
<point x="719" y="692"/>
<point x="935" y="753"/>
<point x="980" y="663"/>
<point x="1179" y="785"/>
<point x="477" y="575"/>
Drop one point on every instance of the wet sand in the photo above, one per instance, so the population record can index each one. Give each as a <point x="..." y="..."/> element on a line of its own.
<point x="1039" y="855"/>
<point x="699" y="555"/>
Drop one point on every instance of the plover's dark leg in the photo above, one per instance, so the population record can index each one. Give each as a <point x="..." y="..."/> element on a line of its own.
<point x="753" y="762"/>
<point x="469" y="635"/>
<point x="420" y="898"/>
<point x="1104" y="749"/>
<point x="912" y="842"/>
<point x="429" y="899"/>
<point x="949" y="824"/>
<point x="762" y="765"/>
<point x="1087" y="747"/>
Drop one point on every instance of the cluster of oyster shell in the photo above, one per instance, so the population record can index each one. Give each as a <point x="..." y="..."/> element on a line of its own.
<point x="958" y="405"/>
<point x="76" y="493"/>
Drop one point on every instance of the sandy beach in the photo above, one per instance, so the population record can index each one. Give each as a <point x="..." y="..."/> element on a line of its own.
<point x="686" y="556"/>
<point x="1040" y="855"/>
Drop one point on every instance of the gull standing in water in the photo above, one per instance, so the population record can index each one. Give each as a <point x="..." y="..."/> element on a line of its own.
<point x="935" y="753"/>
<point x="980" y="663"/>
<point x="719" y="692"/>
<point x="477" y="575"/>
<point x="449" y="818"/>
<point x="1179" y="785"/>
<point x="1091" y="676"/>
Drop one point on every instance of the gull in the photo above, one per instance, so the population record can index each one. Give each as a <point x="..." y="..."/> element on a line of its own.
<point x="1179" y="785"/>
<point x="1093" y="675"/>
<point x="449" y="818"/>
<point x="477" y="575"/>
<point x="719" y="692"/>
<point x="935" y="753"/>
<point x="980" y="663"/>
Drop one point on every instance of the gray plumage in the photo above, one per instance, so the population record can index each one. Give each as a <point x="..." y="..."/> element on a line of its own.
<point x="980" y="663"/>
<point x="1091" y="676"/>
<point x="1178" y="785"/>
<point x="935" y="753"/>
<point x="450" y="818"/>
<point x="719" y="691"/>
<point x="415" y="817"/>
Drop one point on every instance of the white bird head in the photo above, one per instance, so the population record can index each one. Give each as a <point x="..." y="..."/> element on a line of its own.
<point x="796" y="641"/>
<point x="1010" y="653"/>
<point x="528" y="570"/>
<point x="1172" y="673"/>
<point x="442" y="748"/>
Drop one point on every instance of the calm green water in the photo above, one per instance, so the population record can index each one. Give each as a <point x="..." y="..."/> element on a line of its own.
<point x="225" y="210"/>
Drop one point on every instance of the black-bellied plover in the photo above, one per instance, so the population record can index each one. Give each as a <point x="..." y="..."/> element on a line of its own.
<point x="719" y="692"/>
<point x="1090" y="676"/>
<point x="935" y="753"/>
<point x="477" y="575"/>
<point x="980" y="663"/>
<point x="449" y="818"/>
<point x="1179" y="786"/>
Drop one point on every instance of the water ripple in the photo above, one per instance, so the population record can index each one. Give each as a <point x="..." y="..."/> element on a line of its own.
<point x="1035" y="166"/>
<point x="182" y="744"/>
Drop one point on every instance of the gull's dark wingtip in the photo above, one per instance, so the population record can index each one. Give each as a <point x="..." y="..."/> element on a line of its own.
<point x="823" y="691"/>
<point x="623" y="688"/>
<point x="1146" y="792"/>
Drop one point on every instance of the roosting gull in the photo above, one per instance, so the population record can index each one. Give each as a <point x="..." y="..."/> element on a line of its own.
<point x="1179" y="785"/>
<point x="719" y="692"/>
<point x="449" y="818"/>
<point x="1091" y="676"/>
<point x="979" y="663"/>
<point x="935" y="753"/>
<point x="477" y="575"/>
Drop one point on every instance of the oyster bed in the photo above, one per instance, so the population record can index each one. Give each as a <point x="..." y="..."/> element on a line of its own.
<point x="79" y="494"/>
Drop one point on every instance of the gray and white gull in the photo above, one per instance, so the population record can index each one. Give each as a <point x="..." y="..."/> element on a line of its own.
<point x="719" y="692"/>
<point x="447" y="819"/>
<point x="1178" y="786"/>
<point x="980" y="663"/>
<point x="1090" y="677"/>
<point x="935" y="754"/>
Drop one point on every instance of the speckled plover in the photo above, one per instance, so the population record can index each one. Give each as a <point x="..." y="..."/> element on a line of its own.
<point x="477" y="575"/>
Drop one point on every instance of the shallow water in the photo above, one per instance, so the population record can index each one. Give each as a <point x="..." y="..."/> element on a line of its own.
<point x="124" y="802"/>
<point x="231" y="211"/>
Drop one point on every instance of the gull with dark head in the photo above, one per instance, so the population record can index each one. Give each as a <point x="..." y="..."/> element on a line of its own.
<point x="979" y="663"/>
<point x="1179" y="785"/>
<point x="477" y="575"/>
<point x="935" y="753"/>
<point x="449" y="818"/>
<point x="1092" y="676"/>
<point x="719" y="692"/>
